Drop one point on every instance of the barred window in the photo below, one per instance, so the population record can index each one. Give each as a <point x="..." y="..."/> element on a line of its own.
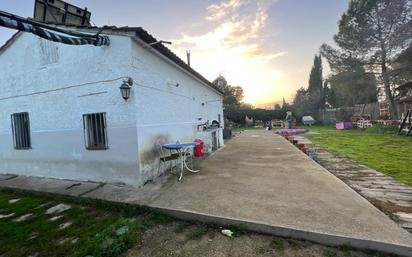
<point x="49" y="51"/>
<point x="20" y="124"/>
<point x="95" y="133"/>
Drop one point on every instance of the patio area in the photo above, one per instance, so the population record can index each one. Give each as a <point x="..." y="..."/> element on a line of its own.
<point x="261" y="178"/>
<point x="261" y="181"/>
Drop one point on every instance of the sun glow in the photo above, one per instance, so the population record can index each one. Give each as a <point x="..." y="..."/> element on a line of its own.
<point x="232" y="47"/>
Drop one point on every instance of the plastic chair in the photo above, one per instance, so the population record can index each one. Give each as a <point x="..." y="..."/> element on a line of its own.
<point x="164" y="158"/>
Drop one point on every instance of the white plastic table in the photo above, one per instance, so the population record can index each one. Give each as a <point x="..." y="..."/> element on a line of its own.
<point x="182" y="150"/>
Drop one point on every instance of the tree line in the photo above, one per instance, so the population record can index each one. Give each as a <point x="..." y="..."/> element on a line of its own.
<point x="236" y="111"/>
<point x="373" y="56"/>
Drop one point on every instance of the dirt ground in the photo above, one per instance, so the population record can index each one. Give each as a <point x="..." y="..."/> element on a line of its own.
<point x="184" y="240"/>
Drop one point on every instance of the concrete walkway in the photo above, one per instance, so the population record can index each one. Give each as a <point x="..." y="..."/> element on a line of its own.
<point x="262" y="178"/>
<point x="263" y="182"/>
<point x="392" y="197"/>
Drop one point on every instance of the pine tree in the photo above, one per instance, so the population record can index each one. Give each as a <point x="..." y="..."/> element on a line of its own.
<point x="315" y="77"/>
<point x="373" y="32"/>
<point x="315" y="88"/>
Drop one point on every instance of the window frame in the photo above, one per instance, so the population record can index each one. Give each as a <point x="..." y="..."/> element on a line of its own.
<point x="89" y="137"/>
<point x="18" y="142"/>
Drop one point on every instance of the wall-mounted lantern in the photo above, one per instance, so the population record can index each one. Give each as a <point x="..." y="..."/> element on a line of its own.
<point x="125" y="88"/>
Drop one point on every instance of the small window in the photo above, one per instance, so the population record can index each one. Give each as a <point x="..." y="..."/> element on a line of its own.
<point x="20" y="125"/>
<point x="49" y="52"/>
<point x="95" y="133"/>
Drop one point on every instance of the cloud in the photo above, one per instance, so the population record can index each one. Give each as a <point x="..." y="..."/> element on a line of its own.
<point x="218" y="11"/>
<point x="235" y="45"/>
<point x="235" y="27"/>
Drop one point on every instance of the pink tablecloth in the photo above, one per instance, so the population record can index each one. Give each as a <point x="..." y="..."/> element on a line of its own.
<point x="290" y="131"/>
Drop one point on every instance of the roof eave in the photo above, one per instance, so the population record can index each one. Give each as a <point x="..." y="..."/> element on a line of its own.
<point x="166" y="52"/>
<point x="10" y="41"/>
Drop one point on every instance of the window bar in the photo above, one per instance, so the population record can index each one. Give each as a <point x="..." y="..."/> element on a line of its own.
<point x="16" y="120"/>
<point x="20" y="132"/>
<point x="92" y="131"/>
<point x="99" y="135"/>
<point x="23" y="130"/>
<point x="15" y="135"/>
<point x="88" y="131"/>
<point x="28" y="132"/>
<point x="104" y="130"/>
<point x="84" y="130"/>
<point x="12" y="129"/>
<point x="101" y="131"/>
<point x="88" y="125"/>
<point x="95" y="132"/>
<point x="16" y="130"/>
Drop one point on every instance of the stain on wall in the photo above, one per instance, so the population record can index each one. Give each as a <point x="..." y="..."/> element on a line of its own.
<point x="150" y="156"/>
<point x="152" y="149"/>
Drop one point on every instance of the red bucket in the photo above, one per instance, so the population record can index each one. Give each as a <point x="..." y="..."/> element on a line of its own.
<point x="198" y="150"/>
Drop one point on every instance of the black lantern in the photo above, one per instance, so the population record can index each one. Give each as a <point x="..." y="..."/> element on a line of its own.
<point x="125" y="88"/>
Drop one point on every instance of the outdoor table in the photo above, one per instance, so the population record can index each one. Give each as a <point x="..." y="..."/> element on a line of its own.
<point x="182" y="150"/>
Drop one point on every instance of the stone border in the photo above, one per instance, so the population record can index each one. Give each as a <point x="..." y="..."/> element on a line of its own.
<point x="357" y="177"/>
<point x="316" y="237"/>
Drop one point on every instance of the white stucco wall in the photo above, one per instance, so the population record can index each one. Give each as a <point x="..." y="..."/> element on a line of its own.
<point x="58" y="148"/>
<point x="167" y="113"/>
<point x="157" y="112"/>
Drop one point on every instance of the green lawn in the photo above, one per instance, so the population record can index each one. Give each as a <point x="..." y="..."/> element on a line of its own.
<point x="377" y="147"/>
<point x="96" y="228"/>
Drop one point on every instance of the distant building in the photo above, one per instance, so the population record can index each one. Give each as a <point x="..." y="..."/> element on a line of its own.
<point x="248" y="121"/>
<point x="259" y="123"/>
<point x="276" y="123"/>
<point x="384" y="112"/>
<point x="404" y="99"/>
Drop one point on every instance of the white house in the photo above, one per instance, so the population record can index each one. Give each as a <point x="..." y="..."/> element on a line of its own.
<point x="62" y="114"/>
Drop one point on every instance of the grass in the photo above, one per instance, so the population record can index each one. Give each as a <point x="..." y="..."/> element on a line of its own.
<point x="105" y="229"/>
<point x="346" y="250"/>
<point x="277" y="244"/>
<point x="198" y="232"/>
<point x="181" y="227"/>
<point x="329" y="253"/>
<point x="377" y="147"/>
<point x="98" y="229"/>
<point x="237" y="230"/>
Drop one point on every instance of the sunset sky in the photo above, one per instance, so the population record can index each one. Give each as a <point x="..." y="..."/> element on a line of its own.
<point x="265" y="46"/>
